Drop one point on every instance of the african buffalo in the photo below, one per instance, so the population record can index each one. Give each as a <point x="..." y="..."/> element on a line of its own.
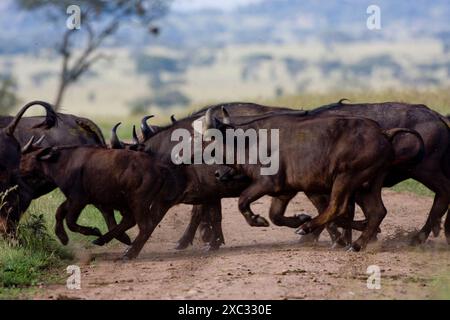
<point x="203" y="190"/>
<point x="106" y="178"/>
<point x="433" y="171"/>
<point x="427" y="122"/>
<point x="332" y="155"/>
<point x="71" y="130"/>
<point x="10" y="155"/>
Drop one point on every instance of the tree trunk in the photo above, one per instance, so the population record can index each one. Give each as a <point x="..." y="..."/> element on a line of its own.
<point x="60" y="94"/>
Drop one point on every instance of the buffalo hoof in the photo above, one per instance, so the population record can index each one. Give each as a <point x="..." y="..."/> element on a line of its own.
<point x="125" y="239"/>
<point x="96" y="232"/>
<point x="259" y="221"/>
<point x="354" y="248"/>
<point x="419" y="239"/>
<point x="207" y="234"/>
<point x="338" y="244"/>
<point x="436" y="230"/>
<point x="181" y="245"/>
<point x="129" y="254"/>
<point x="98" y="242"/>
<point x="216" y="243"/>
<point x="63" y="238"/>
<point x="303" y="218"/>
<point x="348" y="247"/>
<point x="304" y="229"/>
<point x="211" y="247"/>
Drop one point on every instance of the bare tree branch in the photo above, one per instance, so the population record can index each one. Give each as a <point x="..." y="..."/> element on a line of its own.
<point x="77" y="60"/>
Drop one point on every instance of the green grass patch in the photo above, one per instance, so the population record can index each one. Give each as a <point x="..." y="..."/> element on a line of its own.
<point x="442" y="287"/>
<point x="413" y="187"/>
<point x="35" y="256"/>
<point x="48" y="204"/>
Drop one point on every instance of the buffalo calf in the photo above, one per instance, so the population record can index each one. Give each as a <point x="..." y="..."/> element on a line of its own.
<point x="121" y="180"/>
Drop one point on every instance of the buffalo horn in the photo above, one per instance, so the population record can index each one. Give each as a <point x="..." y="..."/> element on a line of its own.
<point x="209" y="121"/>
<point x="28" y="145"/>
<point x="135" y="137"/>
<point x="39" y="141"/>
<point x="147" y="131"/>
<point x="115" y="141"/>
<point x="226" y="116"/>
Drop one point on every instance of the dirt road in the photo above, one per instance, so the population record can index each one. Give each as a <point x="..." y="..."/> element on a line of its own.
<point x="267" y="263"/>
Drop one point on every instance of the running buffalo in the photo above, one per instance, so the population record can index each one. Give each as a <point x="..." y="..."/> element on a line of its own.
<point x="433" y="171"/>
<point x="332" y="155"/>
<point x="202" y="190"/>
<point x="110" y="179"/>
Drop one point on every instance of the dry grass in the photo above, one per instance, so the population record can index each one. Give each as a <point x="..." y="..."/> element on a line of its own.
<point x="437" y="99"/>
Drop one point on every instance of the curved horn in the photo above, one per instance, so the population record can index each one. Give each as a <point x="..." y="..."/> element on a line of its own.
<point x="115" y="141"/>
<point x="147" y="131"/>
<point x="39" y="141"/>
<point x="9" y="130"/>
<point x="226" y="116"/>
<point x="172" y="118"/>
<point x="135" y="137"/>
<point x="28" y="145"/>
<point x="209" y="121"/>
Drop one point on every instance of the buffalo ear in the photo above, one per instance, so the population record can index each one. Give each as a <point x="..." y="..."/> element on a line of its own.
<point x="48" y="154"/>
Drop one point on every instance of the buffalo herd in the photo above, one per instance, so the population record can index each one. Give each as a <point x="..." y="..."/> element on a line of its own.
<point x="340" y="155"/>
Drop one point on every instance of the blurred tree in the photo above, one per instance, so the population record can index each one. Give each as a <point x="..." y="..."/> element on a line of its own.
<point x="100" y="20"/>
<point x="140" y="106"/>
<point x="8" y="98"/>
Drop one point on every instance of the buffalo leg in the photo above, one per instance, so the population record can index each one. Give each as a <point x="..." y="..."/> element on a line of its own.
<point x="249" y="195"/>
<point x="147" y="222"/>
<point x="321" y="203"/>
<point x="206" y="223"/>
<point x="120" y="229"/>
<point x="74" y="209"/>
<point x="375" y="211"/>
<point x="188" y="236"/>
<point x="216" y="239"/>
<point x="348" y="231"/>
<point x="108" y="215"/>
<point x="441" y="186"/>
<point x="447" y="226"/>
<point x="339" y="201"/>
<point x="60" y="231"/>
<point x="278" y="208"/>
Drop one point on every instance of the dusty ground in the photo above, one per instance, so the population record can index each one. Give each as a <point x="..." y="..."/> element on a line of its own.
<point x="267" y="263"/>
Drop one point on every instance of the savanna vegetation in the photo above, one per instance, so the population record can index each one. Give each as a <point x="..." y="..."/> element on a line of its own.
<point x="36" y="256"/>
